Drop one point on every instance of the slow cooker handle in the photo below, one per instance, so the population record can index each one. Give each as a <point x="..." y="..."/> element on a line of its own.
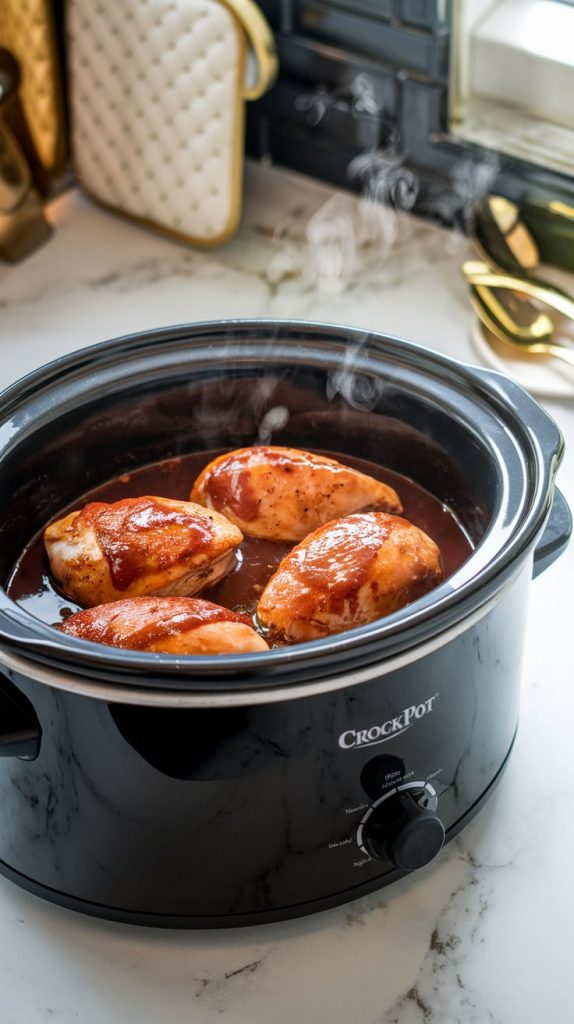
<point x="530" y="412"/>
<point x="555" y="538"/>
<point x="19" y="732"/>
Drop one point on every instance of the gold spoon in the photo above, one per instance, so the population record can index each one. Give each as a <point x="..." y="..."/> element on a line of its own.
<point x="477" y="274"/>
<point x="510" y="314"/>
<point x="502" y="238"/>
<point x="537" y="347"/>
<point x="540" y="327"/>
<point x="506" y="245"/>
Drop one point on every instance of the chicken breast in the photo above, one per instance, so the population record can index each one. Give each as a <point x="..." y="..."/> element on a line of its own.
<point x="139" y="546"/>
<point x="347" y="573"/>
<point x="282" y="494"/>
<point x="174" y="625"/>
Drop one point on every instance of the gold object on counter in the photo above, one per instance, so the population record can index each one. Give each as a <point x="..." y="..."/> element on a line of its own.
<point x="526" y="347"/>
<point x="27" y="29"/>
<point x="551" y="221"/>
<point x="23" y="226"/>
<point x="516" y="235"/>
<point x="540" y="326"/>
<point x="502" y="238"/>
<point x="505" y="244"/>
<point x="514" y="312"/>
<point x="561" y="209"/>
<point x="548" y="295"/>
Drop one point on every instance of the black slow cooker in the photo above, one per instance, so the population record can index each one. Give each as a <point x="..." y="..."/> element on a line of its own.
<point x="195" y="791"/>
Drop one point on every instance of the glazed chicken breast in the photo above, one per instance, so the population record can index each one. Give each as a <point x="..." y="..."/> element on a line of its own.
<point x="174" y="625"/>
<point x="349" y="572"/>
<point x="139" y="546"/>
<point x="282" y="494"/>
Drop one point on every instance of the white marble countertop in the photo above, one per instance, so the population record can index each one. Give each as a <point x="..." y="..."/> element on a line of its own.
<point x="485" y="933"/>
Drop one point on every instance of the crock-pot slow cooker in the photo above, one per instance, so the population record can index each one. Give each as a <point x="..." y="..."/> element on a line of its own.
<point x="230" y="790"/>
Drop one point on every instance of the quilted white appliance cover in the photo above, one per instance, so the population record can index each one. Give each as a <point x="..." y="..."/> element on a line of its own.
<point x="157" y="111"/>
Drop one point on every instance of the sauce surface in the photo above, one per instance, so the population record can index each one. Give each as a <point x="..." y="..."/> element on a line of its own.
<point x="285" y="494"/>
<point x="143" y="534"/>
<point x="31" y="585"/>
<point x="138" y="622"/>
<point x="346" y="550"/>
<point x="229" y="484"/>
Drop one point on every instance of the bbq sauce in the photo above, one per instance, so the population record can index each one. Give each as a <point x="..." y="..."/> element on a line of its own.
<point x="31" y="585"/>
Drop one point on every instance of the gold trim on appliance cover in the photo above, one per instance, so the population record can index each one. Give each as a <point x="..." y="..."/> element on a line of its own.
<point x="261" y="41"/>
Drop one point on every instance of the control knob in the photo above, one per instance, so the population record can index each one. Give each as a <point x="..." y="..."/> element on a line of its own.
<point x="402" y="827"/>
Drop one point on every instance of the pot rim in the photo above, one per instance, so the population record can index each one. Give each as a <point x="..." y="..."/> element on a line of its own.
<point x="521" y="417"/>
<point x="112" y="693"/>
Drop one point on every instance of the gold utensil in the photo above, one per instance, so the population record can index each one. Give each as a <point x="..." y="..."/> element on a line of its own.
<point x="547" y="294"/>
<point x="23" y="226"/>
<point x="505" y="244"/>
<point x="552" y="222"/>
<point x="528" y="347"/>
<point x="539" y="328"/>
<point x="503" y="238"/>
<point x="516" y="314"/>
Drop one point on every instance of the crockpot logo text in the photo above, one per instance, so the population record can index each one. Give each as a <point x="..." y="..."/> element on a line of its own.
<point x="385" y="731"/>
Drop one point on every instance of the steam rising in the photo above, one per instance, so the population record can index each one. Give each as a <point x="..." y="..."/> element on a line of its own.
<point x="360" y="391"/>
<point x="456" y="202"/>
<point x="358" y="98"/>
<point x="275" y="419"/>
<point x="351" y="238"/>
<point x="346" y="229"/>
<point x="332" y="241"/>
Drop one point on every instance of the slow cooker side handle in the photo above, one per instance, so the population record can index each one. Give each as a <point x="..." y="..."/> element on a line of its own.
<point x="19" y="729"/>
<point x="555" y="538"/>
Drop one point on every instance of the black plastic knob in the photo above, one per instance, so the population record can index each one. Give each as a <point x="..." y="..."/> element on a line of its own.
<point x="403" y="831"/>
